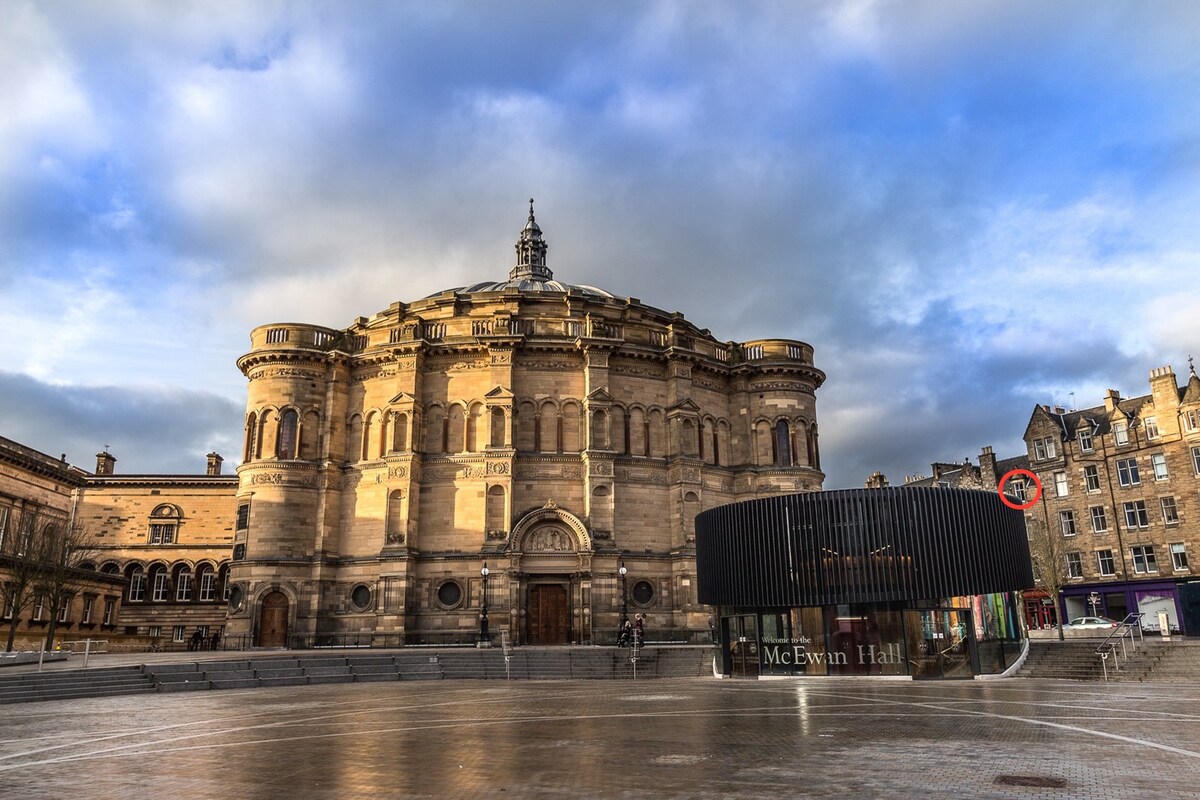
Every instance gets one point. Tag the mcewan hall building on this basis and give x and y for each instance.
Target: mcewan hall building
(551, 433)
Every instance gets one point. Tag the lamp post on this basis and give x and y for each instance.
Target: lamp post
(624, 596)
(485, 638)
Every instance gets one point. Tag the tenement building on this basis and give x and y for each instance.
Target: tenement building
(1120, 487)
(552, 433)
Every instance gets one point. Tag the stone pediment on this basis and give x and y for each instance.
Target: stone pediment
(402, 399)
(499, 393)
(600, 395)
(686, 405)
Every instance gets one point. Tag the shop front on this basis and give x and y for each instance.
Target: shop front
(871, 554)
(1118, 600)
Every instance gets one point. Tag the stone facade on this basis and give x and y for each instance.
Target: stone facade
(170, 538)
(37, 490)
(549, 430)
(1121, 484)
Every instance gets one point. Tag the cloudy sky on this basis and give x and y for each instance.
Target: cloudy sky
(966, 208)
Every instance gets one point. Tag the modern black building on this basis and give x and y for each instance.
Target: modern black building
(891, 581)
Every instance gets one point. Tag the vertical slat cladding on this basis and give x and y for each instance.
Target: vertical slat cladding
(860, 545)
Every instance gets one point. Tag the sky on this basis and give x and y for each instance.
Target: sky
(965, 208)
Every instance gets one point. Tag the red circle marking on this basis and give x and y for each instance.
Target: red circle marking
(1011, 504)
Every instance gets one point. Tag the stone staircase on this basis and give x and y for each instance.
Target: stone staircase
(74, 684)
(1165, 662)
(306, 668)
(1073, 660)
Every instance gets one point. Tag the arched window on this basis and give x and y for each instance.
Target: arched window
(354, 438)
(160, 584)
(638, 437)
(618, 439)
(370, 434)
(455, 429)
(496, 512)
(400, 432)
(525, 423)
(569, 442)
(310, 431)
(814, 449)
(183, 584)
(656, 434)
(251, 431)
(289, 428)
(206, 581)
(435, 430)
(137, 584)
(496, 437)
(783, 444)
(547, 428)
(164, 525)
(687, 438)
(395, 517)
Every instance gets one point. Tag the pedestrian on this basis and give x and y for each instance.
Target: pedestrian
(216, 639)
(626, 636)
(712, 628)
(194, 644)
(639, 630)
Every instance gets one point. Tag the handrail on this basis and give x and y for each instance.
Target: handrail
(1108, 647)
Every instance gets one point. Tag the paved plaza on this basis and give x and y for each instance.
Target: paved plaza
(666, 738)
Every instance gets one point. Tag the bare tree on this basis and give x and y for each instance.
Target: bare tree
(1048, 553)
(61, 550)
(20, 562)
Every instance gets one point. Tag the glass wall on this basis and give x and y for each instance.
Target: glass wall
(957, 638)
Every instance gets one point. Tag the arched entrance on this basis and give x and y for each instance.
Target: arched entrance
(273, 620)
(552, 557)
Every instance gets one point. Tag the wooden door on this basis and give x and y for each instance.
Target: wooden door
(548, 614)
(272, 621)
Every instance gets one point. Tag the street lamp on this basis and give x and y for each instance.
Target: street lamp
(485, 638)
(624, 595)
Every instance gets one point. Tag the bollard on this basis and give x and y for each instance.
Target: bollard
(41, 656)
(87, 651)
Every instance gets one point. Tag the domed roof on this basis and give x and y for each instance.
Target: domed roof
(530, 273)
(533, 285)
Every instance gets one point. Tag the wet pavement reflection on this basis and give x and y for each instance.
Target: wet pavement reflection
(665, 738)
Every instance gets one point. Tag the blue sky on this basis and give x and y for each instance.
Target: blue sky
(966, 208)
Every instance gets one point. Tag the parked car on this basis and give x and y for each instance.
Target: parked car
(1092, 622)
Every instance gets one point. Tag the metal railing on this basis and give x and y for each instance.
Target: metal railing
(604, 637)
(1117, 638)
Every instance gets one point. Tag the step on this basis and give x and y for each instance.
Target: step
(376, 677)
(344, 677)
(326, 670)
(184, 686)
(234, 683)
(283, 680)
(285, 672)
(178, 677)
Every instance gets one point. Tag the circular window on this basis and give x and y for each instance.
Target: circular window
(360, 596)
(449, 594)
(643, 593)
(235, 597)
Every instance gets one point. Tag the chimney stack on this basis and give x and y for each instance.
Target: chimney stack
(987, 468)
(214, 464)
(105, 463)
(1111, 398)
(877, 480)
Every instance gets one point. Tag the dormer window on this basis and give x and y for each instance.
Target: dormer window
(1044, 448)
(1151, 426)
(1085, 441)
(1189, 421)
(1121, 433)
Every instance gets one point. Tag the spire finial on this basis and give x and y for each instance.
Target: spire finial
(531, 208)
(1191, 365)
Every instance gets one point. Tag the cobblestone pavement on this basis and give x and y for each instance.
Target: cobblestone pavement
(694, 738)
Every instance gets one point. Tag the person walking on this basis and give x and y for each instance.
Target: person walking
(639, 630)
